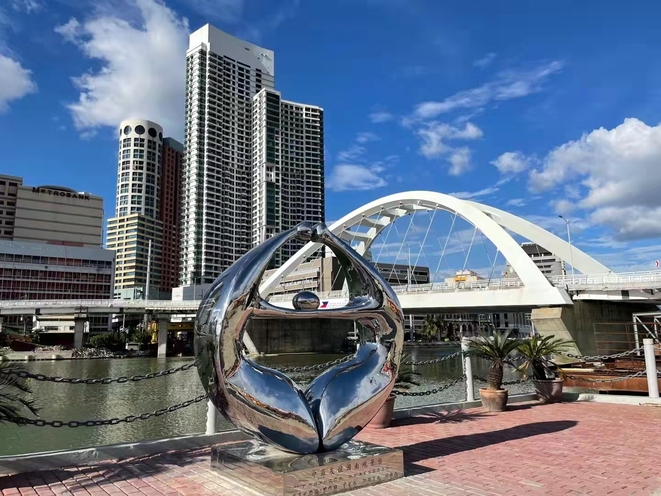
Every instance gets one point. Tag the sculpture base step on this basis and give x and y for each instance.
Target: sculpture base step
(266, 470)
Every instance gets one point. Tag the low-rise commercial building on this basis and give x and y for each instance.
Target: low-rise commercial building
(50, 249)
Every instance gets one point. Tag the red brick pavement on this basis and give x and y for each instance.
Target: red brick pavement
(569, 448)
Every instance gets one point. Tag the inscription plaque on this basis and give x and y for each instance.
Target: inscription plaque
(261, 467)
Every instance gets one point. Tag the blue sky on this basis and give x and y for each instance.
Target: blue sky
(537, 108)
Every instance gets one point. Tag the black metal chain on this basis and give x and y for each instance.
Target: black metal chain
(319, 366)
(435, 360)
(506, 383)
(326, 365)
(106, 380)
(599, 358)
(95, 423)
(642, 373)
(430, 391)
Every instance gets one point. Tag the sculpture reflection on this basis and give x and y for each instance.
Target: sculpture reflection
(268, 404)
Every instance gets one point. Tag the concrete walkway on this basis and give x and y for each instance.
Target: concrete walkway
(570, 448)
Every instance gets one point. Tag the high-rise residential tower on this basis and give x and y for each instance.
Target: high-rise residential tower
(224, 210)
(288, 168)
(148, 202)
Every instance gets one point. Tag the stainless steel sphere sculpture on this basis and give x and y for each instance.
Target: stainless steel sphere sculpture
(266, 403)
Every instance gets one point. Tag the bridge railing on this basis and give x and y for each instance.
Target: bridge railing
(622, 280)
(166, 304)
(487, 285)
(492, 284)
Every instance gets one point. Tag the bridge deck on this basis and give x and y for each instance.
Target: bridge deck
(568, 448)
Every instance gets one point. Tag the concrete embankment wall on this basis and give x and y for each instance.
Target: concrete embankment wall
(579, 322)
(300, 336)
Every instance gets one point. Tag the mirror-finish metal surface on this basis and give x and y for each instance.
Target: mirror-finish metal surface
(266, 403)
(305, 300)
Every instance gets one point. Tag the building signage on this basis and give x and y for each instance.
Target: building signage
(62, 193)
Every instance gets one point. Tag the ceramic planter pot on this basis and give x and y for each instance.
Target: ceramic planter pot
(494, 400)
(383, 417)
(548, 390)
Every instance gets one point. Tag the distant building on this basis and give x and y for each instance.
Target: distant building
(51, 250)
(464, 277)
(147, 211)
(253, 163)
(287, 168)
(546, 262)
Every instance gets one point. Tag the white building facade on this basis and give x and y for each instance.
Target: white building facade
(223, 73)
(139, 168)
(244, 167)
(288, 168)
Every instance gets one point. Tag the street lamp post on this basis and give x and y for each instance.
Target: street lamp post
(571, 250)
(408, 288)
(408, 271)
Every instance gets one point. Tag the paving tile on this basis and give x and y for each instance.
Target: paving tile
(563, 449)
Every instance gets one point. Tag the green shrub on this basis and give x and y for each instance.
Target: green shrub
(108, 341)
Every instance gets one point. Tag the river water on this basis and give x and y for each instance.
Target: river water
(85, 402)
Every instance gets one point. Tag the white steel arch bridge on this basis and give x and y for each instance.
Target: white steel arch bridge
(364, 225)
(532, 288)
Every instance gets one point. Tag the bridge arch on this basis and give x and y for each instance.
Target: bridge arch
(378, 214)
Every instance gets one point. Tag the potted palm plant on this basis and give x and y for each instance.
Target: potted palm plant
(13, 389)
(546, 377)
(497, 349)
(405, 379)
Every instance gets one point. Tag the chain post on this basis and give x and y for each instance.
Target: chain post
(650, 368)
(468, 371)
(211, 418)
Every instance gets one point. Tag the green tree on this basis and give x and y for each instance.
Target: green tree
(13, 393)
(497, 349)
(430, 328)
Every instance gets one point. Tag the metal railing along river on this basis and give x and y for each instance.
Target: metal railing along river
(461, 386)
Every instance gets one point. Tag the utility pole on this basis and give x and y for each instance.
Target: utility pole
(145, 293)
(571, 250)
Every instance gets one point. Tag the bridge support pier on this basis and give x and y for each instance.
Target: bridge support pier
(79, 331)
(588, 324)
(163, 324)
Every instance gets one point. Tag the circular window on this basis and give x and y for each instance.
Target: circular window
(152, 132)
(127, 130)
(160, 136)
(140, 129)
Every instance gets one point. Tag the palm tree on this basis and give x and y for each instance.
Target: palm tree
(497, 350)
(13, 389)
(536, 350)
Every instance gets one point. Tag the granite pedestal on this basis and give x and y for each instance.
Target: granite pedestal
(266, 470)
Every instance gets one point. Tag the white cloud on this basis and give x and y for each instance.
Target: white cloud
(619, 170)
(466, 195)
(435, 134)
(28, 6)
(346, 177)
(15, 82)
(352, 153)
(511, 163)
(434, 137)
(516, 202)
(367, 137)
(563, 206)
(460, 161)
(623, 258)
(380, 117)
(509, 85)
(485, 61)
(141, 68)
